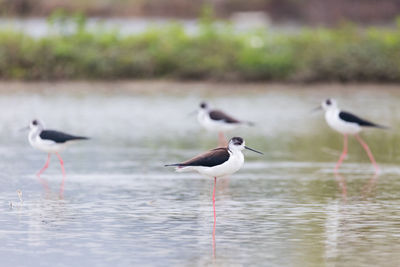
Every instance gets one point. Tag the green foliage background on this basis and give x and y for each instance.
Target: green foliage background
(216, 51)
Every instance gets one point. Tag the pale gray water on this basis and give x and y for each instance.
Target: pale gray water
(121, 207)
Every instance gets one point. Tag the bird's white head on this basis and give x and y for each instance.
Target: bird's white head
(36, 126)
(329, 104)
(238, 144)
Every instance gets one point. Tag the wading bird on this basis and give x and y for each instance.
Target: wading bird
(218, 121)
(347, 124)
(215, 163)
(50, 141)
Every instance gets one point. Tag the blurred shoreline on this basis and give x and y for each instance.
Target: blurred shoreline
(178, 87)
(310, 12)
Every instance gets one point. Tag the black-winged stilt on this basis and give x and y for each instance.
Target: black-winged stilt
(218, 121)
(218, 162)
(347, 124)
(50, 141)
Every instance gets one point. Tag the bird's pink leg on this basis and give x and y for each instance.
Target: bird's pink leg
(63, 172)
(369, 153)
(215, 185)
(222, 140)
(343, 155)
(215, 218)
(46, 165)
(61, 163)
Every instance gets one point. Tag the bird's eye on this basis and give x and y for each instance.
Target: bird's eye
(328, 102)
(203, 105)
(35, 122)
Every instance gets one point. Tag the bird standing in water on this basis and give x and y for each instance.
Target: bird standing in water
(51, 142)
(347, 124)
(218, 121)
(215, 163)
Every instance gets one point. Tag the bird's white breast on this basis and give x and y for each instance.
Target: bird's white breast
(232, 165)
(47, 146)
(336, 123)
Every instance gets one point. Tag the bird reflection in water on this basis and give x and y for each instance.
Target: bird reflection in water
(367, 190)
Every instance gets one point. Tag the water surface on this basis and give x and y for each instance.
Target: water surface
(122, 207)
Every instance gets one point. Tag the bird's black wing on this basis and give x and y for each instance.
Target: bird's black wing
(348, 117)
(211, 158)
(218, 115)
(59, 137)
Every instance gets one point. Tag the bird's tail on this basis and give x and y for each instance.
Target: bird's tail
(173, 165)
(81, 138)
(179, 167)
(379, 126)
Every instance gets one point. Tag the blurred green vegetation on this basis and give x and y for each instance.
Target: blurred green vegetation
(216, 51)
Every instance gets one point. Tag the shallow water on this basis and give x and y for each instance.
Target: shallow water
(122, 207)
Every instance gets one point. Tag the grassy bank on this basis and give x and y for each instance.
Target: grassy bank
(216, 52)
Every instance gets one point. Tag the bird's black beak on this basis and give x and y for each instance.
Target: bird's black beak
(316, 109)
(248, 148)
(24, 129)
